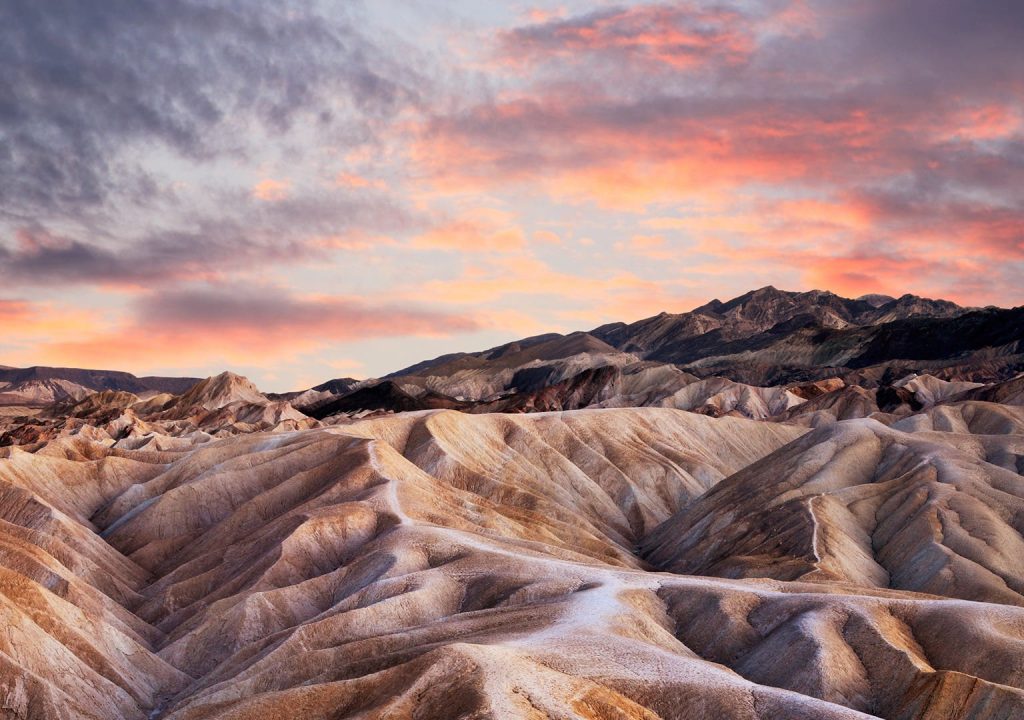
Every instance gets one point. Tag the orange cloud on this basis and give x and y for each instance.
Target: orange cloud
(853, 269)
(541, 15)
(788, 167)
(350, 180)
(354, 241)
(577, 150)
(32, 321)
(593, 299)
(28, 325)
(257, 327)
(479, 230)
(796, 18)
(270, 190)
(547, 237)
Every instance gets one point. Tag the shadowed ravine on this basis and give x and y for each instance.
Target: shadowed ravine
(449, 565)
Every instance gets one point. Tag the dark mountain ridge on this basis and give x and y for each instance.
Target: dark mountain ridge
(763, 339)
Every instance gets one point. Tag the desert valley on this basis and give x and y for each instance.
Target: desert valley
(787, 505)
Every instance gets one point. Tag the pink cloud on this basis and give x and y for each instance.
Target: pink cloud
(12, 311)
(678, 36)
(780, 125)
(351, 180)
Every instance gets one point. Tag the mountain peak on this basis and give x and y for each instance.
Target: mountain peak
(217, 391)
(766, 294)
(876, 299)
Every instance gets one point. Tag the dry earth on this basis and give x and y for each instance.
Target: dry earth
(616, 563)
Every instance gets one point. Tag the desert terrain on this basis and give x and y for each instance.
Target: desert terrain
(844, 544)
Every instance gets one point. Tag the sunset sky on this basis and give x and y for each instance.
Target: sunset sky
(306, 190)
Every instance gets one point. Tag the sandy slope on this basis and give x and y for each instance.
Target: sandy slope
(863, 503)
(442, 565)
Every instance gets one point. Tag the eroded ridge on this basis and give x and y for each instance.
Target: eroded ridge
(447, 565)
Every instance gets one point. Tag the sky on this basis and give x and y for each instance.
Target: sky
(305, 190)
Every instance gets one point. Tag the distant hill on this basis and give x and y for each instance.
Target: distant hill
(763, 339)
(26, 383)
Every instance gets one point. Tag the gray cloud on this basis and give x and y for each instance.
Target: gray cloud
(79, 81)
(267, 309)
(962, 44)
(42, 258)
(118, 118)
(249, 235)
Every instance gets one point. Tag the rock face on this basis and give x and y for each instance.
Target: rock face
(439, 564)
(770, 337)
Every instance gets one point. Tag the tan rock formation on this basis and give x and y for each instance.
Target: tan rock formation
(444, 565)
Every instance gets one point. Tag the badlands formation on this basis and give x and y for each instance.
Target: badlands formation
(793, 518)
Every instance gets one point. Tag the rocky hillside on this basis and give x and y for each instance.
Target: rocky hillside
(755, 355)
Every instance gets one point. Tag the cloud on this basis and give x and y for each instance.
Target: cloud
(894, 122)
(233, 308)
(954, 44)
(607, 162)
(43, 258)
(271, 190)
(678, 36)
(148, 142)
(652, 247)
(631, 152)
(287, 231)
(12, 311)
(84, 83)
(474, 231)
(547, 237)
(27, 324)
(803, 109)
(521, 277)
(352, 180)
(253, 326)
